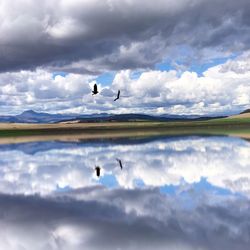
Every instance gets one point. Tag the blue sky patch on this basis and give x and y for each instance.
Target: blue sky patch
(139, 183)
(59, 73)
(106, 79)
(164, 66)
(202, 186)
(109, 181)
(201, 68)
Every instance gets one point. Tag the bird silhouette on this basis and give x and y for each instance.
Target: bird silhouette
(120, 162)
(98, 171)
(95, 91)
(118, 95)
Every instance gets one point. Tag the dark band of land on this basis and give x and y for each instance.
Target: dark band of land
(14, 132)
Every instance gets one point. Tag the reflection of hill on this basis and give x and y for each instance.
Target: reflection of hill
(35, 147)
(32, 148)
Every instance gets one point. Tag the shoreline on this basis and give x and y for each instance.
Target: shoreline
(21, 133)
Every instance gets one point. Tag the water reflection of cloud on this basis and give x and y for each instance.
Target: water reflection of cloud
(178, 193)
(224, 162)
(101, 218)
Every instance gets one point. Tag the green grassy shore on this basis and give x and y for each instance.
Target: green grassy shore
(216, 126)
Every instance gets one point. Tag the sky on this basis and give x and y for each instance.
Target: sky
(166, 56)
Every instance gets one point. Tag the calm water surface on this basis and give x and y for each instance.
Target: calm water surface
(172, 193)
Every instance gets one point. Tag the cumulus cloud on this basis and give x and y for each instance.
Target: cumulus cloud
(92, 36)
(222, 89)
(41, 90)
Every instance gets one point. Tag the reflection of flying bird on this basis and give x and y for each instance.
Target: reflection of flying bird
(120, 163)
(95, 91)
(118, 95)
(98, 171)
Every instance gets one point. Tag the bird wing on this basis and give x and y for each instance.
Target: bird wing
(95, 88)
(120, 162)
(118, 95)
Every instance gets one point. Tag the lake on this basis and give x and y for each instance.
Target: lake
(180, 192)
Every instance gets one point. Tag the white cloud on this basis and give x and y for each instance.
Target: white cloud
(222, 89)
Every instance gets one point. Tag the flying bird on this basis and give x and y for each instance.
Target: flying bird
(98, 171)
(118, 95)
(120, 162)
(95, 91)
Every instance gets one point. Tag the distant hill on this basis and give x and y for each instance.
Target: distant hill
(138, 117)
(31, 116)
(245, 111)
(243, 114)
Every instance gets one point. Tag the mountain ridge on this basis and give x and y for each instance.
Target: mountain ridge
(246, 111)
(31, 116)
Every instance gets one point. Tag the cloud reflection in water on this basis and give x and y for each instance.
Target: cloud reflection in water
(177, 193)
(224, 162)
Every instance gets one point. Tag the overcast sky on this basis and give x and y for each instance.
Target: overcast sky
(166, 56)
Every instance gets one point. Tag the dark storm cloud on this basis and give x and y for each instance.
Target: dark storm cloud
(92, 36)
(98, 218)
